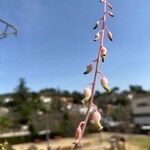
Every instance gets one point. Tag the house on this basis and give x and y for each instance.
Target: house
(141, 113)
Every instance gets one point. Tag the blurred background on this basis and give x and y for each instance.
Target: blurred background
(42, 81)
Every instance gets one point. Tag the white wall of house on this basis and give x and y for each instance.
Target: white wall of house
(141, 110)
(141, 106)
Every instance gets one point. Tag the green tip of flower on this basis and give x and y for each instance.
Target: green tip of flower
(107, 89)
(99, 126)
(103, 59)
(83, 101)
(86, 72)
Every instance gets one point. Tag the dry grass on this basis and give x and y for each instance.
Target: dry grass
(92, 142)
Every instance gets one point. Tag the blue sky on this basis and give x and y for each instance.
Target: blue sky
(55, 42)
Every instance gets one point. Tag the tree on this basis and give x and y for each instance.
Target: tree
(51, 92)
(114, 89)
(137, 89)
(65, 93)
(21, 92)
(21, 98)
(4, 123)
(77, 97)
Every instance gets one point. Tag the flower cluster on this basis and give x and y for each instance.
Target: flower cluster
(93, 113)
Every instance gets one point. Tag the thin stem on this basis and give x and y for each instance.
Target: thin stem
(96, 72)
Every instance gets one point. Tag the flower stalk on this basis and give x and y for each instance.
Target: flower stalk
(96, 116)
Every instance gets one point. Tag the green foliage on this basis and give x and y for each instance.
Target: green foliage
(120, 113)
(66, 125)
(137, 89)
(4, 122)
(21, 92)
(142, 141)
(21, 98)
(26, 106)
(66, 93)
(51, 92)
(77, 97)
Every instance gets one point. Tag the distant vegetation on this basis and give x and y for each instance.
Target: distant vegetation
(27, 108)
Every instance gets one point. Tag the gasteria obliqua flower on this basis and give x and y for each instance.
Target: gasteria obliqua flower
(96, 118)
(96, 25)
(89, 68)
(109, 5)
(110, 14)
(97, 37)
(109, 35)
(79, 130)
(87, 93)
(103, 53)
(92, 110)
(104, 83)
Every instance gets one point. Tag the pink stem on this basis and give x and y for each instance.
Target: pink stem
(96, 72)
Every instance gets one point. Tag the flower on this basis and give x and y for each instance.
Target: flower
(103, 53)
(109, 35)
(96, 25)
(78, 133)
(97, 37)
(96, 118)
(89, 68)
(104, 83)
(110, 14)
(109, 5)
(87, 93)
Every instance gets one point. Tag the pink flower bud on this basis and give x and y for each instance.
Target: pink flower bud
(87, 93)
(97, 37)
(103, 51)
(89, 68)
(109, 35)
(96, 116)
(109, 5)
(104, 83)
(110, 14)
(96, 25)
(78, 133)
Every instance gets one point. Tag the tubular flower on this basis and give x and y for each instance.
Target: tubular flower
(104, 83)
(110, 14)
(89, 68)
(109, 5)
(79, 130)
(103, 53)
(96, 25)
(96, 118)
(92, 112)
(109, 35)
(87, 93)
(97, 37)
